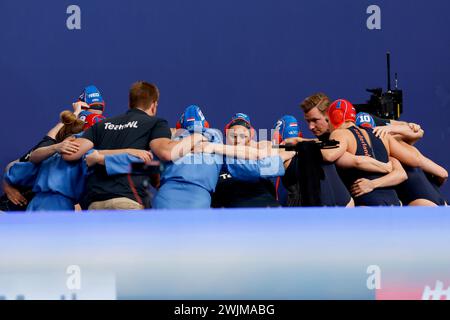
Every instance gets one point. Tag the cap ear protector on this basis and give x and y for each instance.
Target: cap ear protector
(192, 118)
(285, 128)
(179, 122)
(178, 125)
(341, 111)
(241, 119)
(365, 120)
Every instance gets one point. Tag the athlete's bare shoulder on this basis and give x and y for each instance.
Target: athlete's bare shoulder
(387, 142)
(345, 135)
(339, 134)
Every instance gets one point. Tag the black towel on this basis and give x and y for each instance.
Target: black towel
(310, 173)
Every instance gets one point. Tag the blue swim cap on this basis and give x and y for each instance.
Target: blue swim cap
(192, 118)
(365, 120)
(239, 119)
(285, 128)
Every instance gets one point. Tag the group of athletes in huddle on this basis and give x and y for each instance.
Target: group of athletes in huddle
(86, 160)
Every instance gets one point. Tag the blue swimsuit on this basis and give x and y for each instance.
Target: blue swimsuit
(378, 197)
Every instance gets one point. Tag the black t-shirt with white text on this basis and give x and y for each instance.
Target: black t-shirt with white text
(135, 129)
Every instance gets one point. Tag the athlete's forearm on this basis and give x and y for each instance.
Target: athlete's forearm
(54, 131)
(9, 165)
(270, 151)
(286, 156)
(41, 154)
(405, 153)
(112, 152)
(424, 163)
(83, 146)
(364, 163)
(332, 155)
(398, 123)
(397, 176)
(241, 152)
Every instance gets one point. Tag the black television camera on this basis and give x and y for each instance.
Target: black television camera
(155, 167)
(386, 105)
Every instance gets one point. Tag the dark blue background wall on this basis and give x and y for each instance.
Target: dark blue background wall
(260, 57)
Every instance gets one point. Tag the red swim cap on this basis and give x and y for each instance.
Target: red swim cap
(341, 111)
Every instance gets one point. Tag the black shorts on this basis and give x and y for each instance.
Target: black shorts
(378, 197)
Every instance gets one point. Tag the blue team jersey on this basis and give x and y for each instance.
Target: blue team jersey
(200, 169)
(189, 181)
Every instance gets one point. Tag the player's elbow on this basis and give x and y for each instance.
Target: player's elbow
(402, 176)
(421, 133)
(34, 160)
(71, 157)
(330, 156)
(165, 156)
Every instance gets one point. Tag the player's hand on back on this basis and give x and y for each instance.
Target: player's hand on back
(78, 106)
(14, 195)
(362, 187)
(68, 146)
(93, 158)
(389, 167)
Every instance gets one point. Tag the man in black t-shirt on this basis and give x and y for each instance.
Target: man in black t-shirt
(135, 129)
(138, 128)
